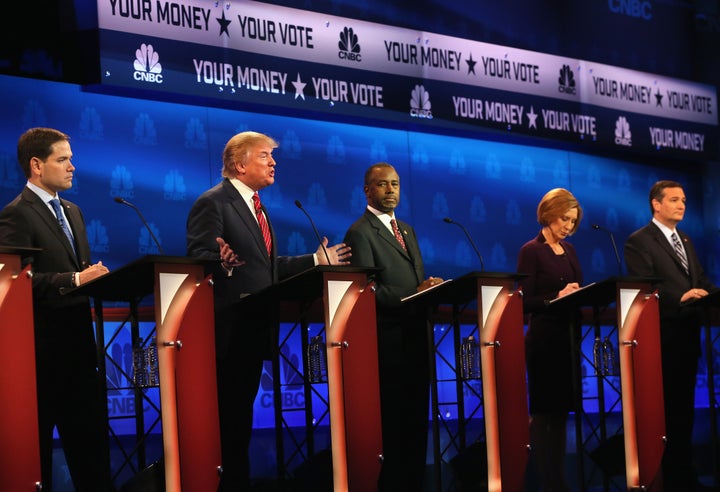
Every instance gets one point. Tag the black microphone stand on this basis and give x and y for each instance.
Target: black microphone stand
(317, 234)
(612, 240)
(467, 234)
(147, 226)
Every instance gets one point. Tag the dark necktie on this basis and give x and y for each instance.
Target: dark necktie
(397, 233)
(262, 222)
(680, 251)
(55, 203)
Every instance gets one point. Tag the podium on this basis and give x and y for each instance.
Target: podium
(638, 323)
(184, 317)
(348, 301)
(708, 304)
(19, 434)
(502, 355)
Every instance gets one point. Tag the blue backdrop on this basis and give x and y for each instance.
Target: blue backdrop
(160, 156)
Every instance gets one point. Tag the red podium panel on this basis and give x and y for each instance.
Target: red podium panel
(20, 454)
(640, 371)
(186, 361)
(502, 345)
(642, 389)
(352, 366)
(353, 376)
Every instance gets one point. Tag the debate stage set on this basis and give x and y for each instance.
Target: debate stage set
(481, 109)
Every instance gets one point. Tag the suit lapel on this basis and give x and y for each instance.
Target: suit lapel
(689, 252)
(246, 216)
(665, 245)
(75, 222)
(410, 243)
(384, 233)
(49, 219)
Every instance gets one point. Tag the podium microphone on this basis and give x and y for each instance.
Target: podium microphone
(317, 234)
(147, 226)
(612, 239)
(467, 234)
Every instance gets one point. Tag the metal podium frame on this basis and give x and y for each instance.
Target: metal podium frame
(500, 330)
(640, 373)
(348, 306)
(184, 317)
(19, 433)
(711, 305)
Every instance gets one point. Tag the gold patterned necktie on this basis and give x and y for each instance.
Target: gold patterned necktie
(262, 222)
(397, 233)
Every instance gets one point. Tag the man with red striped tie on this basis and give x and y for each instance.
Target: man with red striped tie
(228, 223)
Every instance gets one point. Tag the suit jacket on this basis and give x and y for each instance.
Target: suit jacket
(543, 283)
(222, 212)
(28, 222)
(65, 348)
(373, 245)
(648, 253)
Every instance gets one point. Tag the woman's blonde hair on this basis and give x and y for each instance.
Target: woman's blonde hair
(555, 204)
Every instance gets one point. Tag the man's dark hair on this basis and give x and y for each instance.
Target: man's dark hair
(37, 142)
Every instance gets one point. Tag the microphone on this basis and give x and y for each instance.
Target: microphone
(317, 234)
(147, 226)
(612, 239)
(467, 234)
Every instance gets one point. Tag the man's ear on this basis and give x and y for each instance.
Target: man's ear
(656, 205)
(35, 166)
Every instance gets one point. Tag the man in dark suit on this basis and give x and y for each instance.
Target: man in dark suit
(227, 223)
(65, 351)
(652, 252)
(403, 332)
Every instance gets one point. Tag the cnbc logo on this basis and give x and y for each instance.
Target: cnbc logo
(420, 106)
(566, 81)
(349, 46)
(623, 135)
(147, 65)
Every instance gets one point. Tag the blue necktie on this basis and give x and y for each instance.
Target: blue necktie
(55, 203)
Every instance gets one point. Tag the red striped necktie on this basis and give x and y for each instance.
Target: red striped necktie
(397, 233)
(262, 222)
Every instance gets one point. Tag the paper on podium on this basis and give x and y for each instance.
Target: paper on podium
(579, 292)
(412, 296)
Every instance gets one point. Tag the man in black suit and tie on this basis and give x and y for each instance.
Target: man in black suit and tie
(379, 240)
(228, 223)
(659, 249)
(65, 353)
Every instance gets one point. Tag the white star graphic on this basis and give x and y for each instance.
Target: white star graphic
(299, 87)
(532, 117)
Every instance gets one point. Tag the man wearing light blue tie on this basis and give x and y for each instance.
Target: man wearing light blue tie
(69, 396)
(661, 250)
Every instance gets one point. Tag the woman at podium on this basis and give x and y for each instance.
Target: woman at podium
(552, 270)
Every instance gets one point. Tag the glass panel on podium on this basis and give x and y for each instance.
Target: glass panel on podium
(342, 301)
(631, 374)
(499, 329)
(183, 349)
(711, 338)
